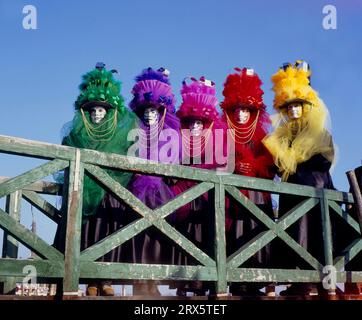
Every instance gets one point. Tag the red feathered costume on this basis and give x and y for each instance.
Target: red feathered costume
(243, 90)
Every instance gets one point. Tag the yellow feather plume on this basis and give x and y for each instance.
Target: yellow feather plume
(291, 84)
(294, 142)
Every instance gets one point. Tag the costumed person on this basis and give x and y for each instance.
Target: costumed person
(153, 103)
(245, 113)
(199, 120)
(101, 122)
(303, 152)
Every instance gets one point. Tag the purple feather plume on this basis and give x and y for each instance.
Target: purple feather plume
(150, 74)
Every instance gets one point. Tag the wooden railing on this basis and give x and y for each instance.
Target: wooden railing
(74, 265)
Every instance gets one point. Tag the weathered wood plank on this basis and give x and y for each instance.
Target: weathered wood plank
(287, 275)
(103, 270)
(172, 233)
(42, 187)
(349, 276)
(262, 239)
(130, 231)
(284, 187)
(13, 208)
(4, 278)
(140, 165)
(51, 151)
(150, 215)
(109, 243)
(106, 180)
(74, 224)
(42, 205)
(345, 216)
(357, 195)
(186, 172)
(261, 216)
(273, 275)
(28, 239)
(183, 242)
(114, 240)
(19, 182)
(220, 240)
(183, 198)
(327, 238)
(349, 253)
(118, 190)
(35, 149)
(10, 245)
(250, 248)
(48, 151)
(44, 268)
(355, 247)
(294, 214)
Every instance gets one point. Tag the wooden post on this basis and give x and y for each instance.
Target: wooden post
(327, 240)
(10, 245)
(220, 241)
(74, 224)
(357, 195)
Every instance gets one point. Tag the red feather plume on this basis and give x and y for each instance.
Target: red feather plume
(243, 89)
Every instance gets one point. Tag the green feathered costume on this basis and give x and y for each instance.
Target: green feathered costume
(99, 88)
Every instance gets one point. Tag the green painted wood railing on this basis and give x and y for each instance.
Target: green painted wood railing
(73, 266)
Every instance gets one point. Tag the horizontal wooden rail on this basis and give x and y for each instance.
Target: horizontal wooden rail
(41, 187)
(118, 162)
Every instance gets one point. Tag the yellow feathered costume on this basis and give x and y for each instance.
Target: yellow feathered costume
(296, 141)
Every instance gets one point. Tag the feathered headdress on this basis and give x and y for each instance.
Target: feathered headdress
(292, 84)
(99, 87)
(198, 100)
(152, 88)
(243, 89)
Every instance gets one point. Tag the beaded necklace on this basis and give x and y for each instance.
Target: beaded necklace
(97, 132)
(242, 135)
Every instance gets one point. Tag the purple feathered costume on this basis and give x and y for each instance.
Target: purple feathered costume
(152, 89)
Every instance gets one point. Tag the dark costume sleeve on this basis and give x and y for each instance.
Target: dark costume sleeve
(316, 163)
(313, 172)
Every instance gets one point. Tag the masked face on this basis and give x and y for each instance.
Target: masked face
(97, 114)
(196, 127)
(295, 111)
(150, 116)
(242, 115)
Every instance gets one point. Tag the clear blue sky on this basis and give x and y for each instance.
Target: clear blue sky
(41, 69)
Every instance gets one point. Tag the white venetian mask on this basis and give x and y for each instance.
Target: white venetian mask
(295, 111)
(97, 114)
(242, 115)
(150, 116)
(196, 127)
